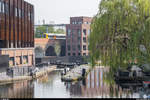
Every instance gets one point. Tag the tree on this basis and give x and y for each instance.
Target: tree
(120, 33)
(43, 29)
(61, 31)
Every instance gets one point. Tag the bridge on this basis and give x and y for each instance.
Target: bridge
(50, 47)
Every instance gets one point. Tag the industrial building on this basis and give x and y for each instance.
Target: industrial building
(77, 36)
(16, 33)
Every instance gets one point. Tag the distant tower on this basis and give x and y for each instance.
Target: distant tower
(43, 22)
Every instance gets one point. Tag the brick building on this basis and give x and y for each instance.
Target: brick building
(17, 32)
(77, 36)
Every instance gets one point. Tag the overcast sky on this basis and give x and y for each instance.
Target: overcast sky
(60, 11)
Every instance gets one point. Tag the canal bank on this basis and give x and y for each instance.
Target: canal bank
(4, 78)
(76, 74)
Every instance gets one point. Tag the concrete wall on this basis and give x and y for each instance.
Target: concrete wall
(4, 62)
(63, 59)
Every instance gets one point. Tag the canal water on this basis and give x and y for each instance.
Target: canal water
(96, 85)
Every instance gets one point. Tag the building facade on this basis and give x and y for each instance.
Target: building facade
(17, 32)
(77, 36)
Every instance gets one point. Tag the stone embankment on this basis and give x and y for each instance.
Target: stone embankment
(76, 74)
(4, 78)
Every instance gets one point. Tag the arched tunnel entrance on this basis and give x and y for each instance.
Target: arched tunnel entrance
(50, 51)
(39, 53)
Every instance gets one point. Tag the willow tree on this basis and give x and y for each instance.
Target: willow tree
(120, 33)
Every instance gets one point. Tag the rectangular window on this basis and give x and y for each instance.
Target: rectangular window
(69, 48)
(3, 7)
(20, 13)
(68, 41)
(79, 22)
(0, 6)
(25, 59)
(84, 39)
(84, 47)
(74, 48)
(79, 32)
(79, 54)
(74, 54)
(89, 31)
(7, 9)
(16, 12)
(84, 31)
(84, 54)
(79, 47)
(79, 40)
(69, 32)
(11, 61)
(68, 54)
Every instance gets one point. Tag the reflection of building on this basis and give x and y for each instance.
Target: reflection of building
(77, 36)
(95, 86)
(17, 32)
(23, 89)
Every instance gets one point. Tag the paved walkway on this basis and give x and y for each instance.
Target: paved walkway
(7, 79)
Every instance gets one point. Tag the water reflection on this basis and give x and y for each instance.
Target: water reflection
(97, 85)
(18, 90)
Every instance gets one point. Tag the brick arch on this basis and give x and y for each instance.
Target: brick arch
(46, 43)
(39, 52)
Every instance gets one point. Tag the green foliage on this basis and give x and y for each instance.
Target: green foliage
(61, 31)
(57, 48)
(118, 31)
(43, 29)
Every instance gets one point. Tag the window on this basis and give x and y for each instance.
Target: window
(79, 32)
(79, 40)
(74, 48)
(84, 47)
(84, 31)
(69, 32)
(79, 54)
(75, 22)
(69, 48)
(86, 22)
(79, 47)
(19, 12)
(68, 54)
(3, 7)
(22, 15)
(6, 8)
(84, 54)
(79, 22)
(29, 14)
(0, 6)
(68, 41)
(11, 61)
(25, 59)
(74, 54)
(16, 12)
(89, 31)
(84, 39)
